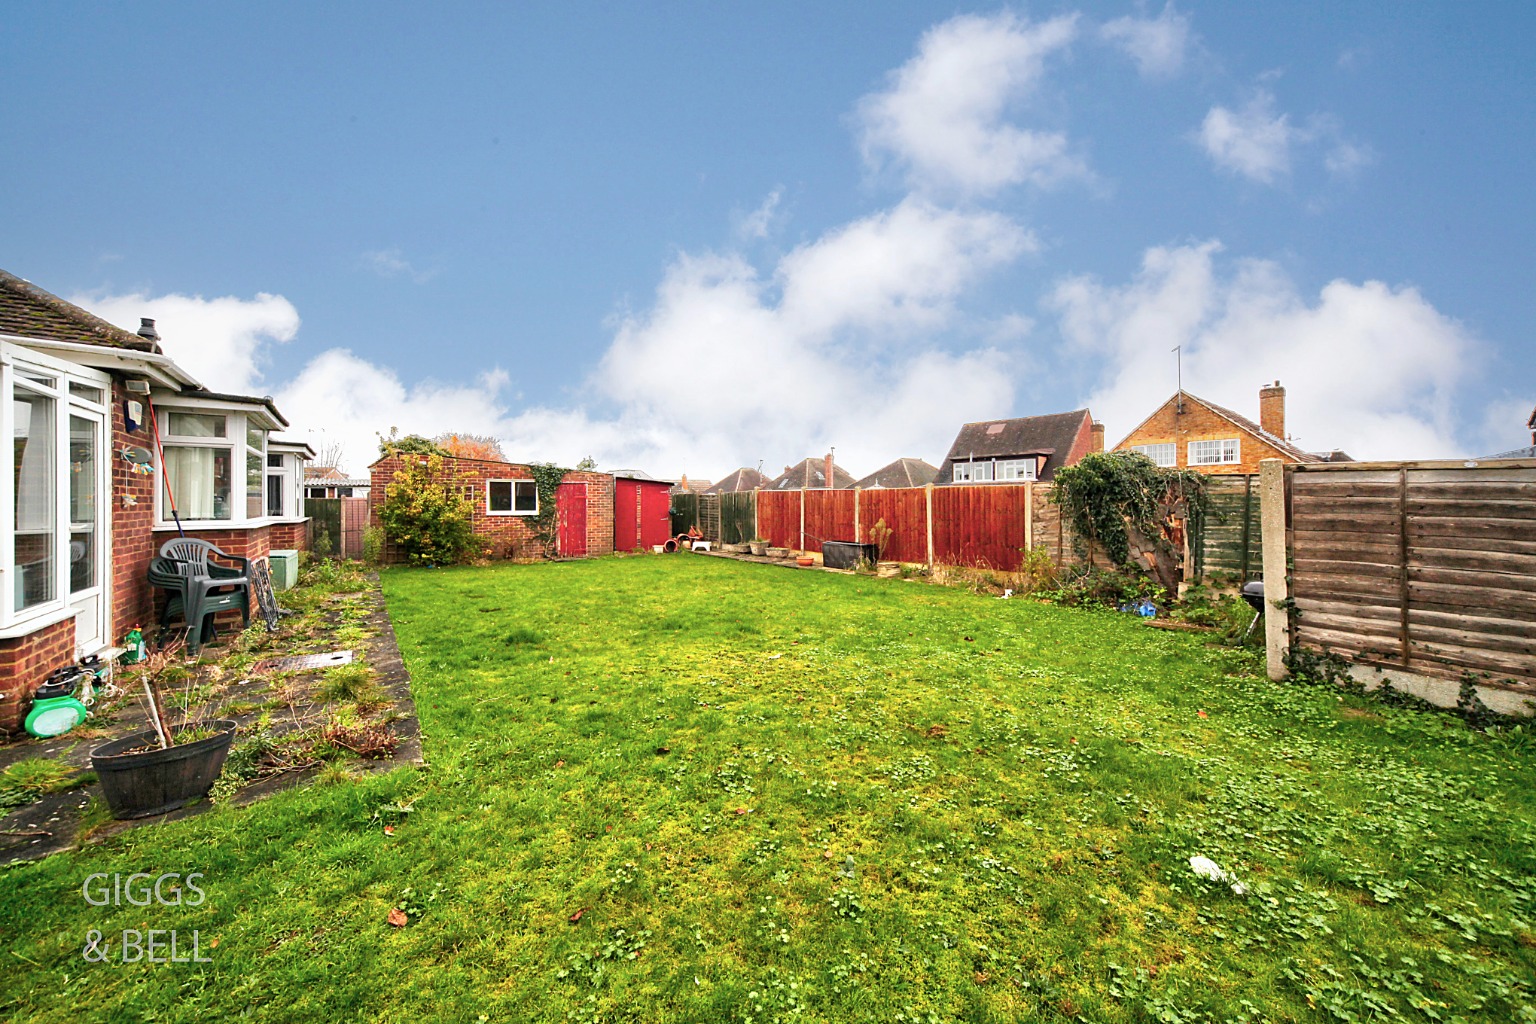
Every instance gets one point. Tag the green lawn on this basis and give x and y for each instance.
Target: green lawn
(798, 796)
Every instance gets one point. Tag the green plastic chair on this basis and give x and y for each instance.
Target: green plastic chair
(196, 587)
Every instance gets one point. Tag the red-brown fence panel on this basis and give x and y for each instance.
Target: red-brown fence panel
(828, 516)
(778, 517)
(905, 511)
(979, 526)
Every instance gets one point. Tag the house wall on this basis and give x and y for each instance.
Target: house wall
(506, 536)
(24, 662)
(1197, 423)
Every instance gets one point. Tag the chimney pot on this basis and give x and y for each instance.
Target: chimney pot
(1097, 430)
(147, 329)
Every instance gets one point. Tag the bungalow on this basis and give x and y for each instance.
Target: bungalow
(1018, 450)
(1189, 432)
(812, 474)
(114, 450)
(901, 473)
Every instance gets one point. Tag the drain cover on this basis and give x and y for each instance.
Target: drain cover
(305, 661)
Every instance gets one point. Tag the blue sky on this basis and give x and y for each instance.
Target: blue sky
(701, 236)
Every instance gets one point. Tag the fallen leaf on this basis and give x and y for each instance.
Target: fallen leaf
(1202, 714)
(1074, 739)
(389, 830)
(743, 810)
(397, 918)
(560, 764)
(215, 943)
(576, 917)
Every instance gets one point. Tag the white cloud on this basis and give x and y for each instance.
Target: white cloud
(1157, 45)
(942, 118)
(759, 222)
(1371, 369)
(1347, 158)
(1254, 142)
(391, 262)
(219, 341)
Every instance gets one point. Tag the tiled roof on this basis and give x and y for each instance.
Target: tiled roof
(1051, 435)
(1291, 451)
(29, 312)
(901, 473)
(811, 474)
(1518, 453)
(744, 479)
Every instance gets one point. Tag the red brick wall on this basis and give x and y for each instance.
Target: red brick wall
(505, 536)
(25, 662)
(132, 503)
(1197, 423)
(289, 536)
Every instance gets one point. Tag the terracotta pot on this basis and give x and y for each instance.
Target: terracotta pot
(805, 560)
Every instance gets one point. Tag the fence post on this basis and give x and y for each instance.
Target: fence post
(756, 530)
(928, 502)
(857, 539)
(1276, 587)
(802, 520)
(1029, 518)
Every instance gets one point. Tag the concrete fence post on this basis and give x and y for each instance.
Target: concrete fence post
(1277, 589)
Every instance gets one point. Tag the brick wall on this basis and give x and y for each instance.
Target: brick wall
(25, 662)
(505, 536)
(1197, 423)
(132, 504)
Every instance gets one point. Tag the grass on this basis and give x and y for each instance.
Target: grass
(692, 789)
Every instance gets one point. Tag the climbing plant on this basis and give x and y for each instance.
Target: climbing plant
(545, 525)
(1124, 504)
(432, 522)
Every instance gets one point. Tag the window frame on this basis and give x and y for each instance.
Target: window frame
(239, 421)
(512, 496)
(1223, 453)
(1172, 448)
(16, 362)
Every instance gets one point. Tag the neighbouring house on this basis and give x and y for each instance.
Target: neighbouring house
(331, 482)
(1191, 433)
(743, 479)
(506, 505)
(687, 486)
(1019, 450)
(901, 473)
(642, 510)
(1521, 453)
(114, 450)
(812, 474)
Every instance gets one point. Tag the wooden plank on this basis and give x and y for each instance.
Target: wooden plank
(1317, 584)
(1382, 631)
(1481, 625)
(1499, 664)
(1346, 547)
(1344, 505)
(1307, 482)
(1349, 642)
(1487, 561)
(1360, 608)
(1477, 641)
(1337, 567)
(1480, 508)
(1488, 531)
(1457, 542)
(1342, 523)
(1474, 600)
(1426, 465)
(1476, 578)
(1382, 486)
(1468, 490)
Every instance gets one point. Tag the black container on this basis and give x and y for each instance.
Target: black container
(845, 554)
(156, 781)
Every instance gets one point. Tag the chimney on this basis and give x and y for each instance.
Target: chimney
(147, 329)
(1098, 437)
(829, 470)
(1272, 409)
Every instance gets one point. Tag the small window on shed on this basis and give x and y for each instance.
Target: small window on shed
(511, 498)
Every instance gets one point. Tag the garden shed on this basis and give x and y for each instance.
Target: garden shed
(641, 510)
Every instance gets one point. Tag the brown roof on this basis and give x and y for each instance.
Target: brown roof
(811, 474)
(901, 473)
(1051, 435)
(29, 312)
(744, 479)
(687, 486)
(1291, 451)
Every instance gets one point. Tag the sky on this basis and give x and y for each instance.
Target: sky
(689, 237)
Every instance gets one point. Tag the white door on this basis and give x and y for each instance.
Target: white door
(90, 583)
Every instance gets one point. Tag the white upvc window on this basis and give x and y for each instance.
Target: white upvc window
(973, 472)
(1164, 455)
(1015, 469)
(214, 468)
(511, 498)
(1222, 452)
(53, 476)
(285, 485)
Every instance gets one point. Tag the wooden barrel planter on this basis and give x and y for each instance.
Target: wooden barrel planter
(154, 781)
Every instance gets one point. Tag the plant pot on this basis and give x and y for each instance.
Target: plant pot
(805, 560)
(155, 781)
(778, 552)
(758, 547)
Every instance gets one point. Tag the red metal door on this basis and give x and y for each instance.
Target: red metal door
(626, 515)
(655, 515)
(571, 512)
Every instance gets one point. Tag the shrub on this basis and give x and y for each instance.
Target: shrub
(431, 522)
(373, 545)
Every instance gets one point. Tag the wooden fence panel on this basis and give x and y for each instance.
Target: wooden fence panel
(1430, 568)
(979, 526)
(905, 511)
(778, 517)
(1230, 543)
(736, 522)
(828, 516)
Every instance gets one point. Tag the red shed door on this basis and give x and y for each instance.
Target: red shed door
(626, 512)
(571, 511)
(655, 515)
